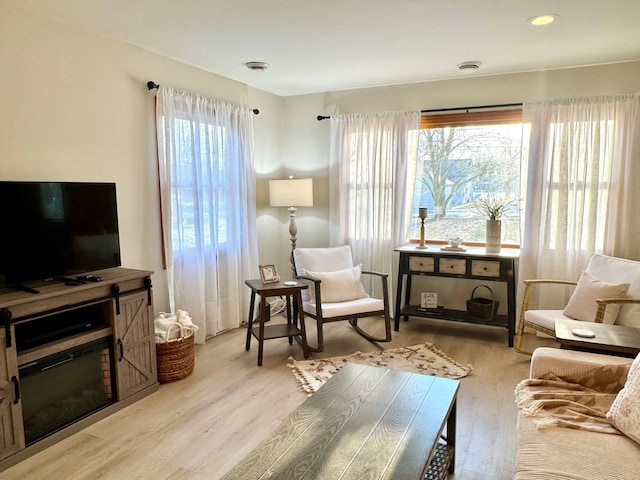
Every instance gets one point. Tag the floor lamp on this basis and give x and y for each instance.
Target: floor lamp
(291, 193)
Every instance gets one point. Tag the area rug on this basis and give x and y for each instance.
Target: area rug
(425, 359)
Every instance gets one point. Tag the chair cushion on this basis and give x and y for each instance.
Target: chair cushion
(339, 286)
(322, 259)
(582, 304)
(620, 270)
(544, 318)
(352, 307)
(624, 413)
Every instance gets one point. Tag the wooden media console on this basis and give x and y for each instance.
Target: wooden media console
(88, 347)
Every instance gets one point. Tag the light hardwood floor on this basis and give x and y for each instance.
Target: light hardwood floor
(199, 427)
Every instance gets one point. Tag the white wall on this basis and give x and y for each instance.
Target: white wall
(75, 107)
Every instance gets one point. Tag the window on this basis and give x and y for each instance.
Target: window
(198, 190)
(462, 157)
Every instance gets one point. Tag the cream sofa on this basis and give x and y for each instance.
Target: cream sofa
(557, 453)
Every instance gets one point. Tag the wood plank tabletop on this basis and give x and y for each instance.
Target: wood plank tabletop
(614, 339)
(364, 423)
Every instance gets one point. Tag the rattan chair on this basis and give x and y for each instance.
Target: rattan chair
(609, 269)
(324, 263)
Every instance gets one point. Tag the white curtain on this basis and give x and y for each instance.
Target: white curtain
(372, 170)
(207, 188)
(582, 184)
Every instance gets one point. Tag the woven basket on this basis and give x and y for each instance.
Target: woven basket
(482, 308)
(176, 358)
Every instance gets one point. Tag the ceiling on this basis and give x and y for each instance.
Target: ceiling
(329, 45)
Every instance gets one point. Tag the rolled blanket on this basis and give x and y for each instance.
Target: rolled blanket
(169, 326)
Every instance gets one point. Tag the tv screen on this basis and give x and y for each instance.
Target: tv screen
(56, 229)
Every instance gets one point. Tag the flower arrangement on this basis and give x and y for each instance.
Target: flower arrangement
(493, 206)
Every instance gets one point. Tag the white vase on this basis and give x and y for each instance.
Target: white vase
(494, 236)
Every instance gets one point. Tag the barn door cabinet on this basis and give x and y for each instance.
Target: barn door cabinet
(135, 347)
(109, 323)
(12, 435)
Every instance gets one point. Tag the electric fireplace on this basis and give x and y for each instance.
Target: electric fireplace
(62, 388)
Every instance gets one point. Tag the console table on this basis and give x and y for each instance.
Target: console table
(472, 263)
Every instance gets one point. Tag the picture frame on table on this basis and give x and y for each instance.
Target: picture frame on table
(268, 273)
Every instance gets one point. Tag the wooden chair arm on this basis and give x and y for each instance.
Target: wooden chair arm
(529, 284)
(604, 302)
(316, 286)
(306, 277)
(379, 274)
(537, 281)
(316, 281)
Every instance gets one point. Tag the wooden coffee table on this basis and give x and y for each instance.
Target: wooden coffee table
(610, 339)
(364, 423)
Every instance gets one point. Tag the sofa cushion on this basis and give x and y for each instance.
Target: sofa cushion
(625, 410)
(583, 305)
(620, 270)
(558, 453)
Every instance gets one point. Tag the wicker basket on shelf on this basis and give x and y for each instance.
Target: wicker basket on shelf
(482, 308)
(176, 358)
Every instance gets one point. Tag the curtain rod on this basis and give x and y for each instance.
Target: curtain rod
(151, 85)
(440, 110)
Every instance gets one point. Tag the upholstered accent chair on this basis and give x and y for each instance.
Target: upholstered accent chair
(608, 291)
(336, 291)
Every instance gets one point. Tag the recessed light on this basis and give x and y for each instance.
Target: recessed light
(545, 19)
(257, 66)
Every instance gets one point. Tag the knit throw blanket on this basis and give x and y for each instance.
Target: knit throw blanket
(571, 403)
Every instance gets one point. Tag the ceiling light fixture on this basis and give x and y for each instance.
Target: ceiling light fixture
(470, 66)
(257, 66)
(545, 19)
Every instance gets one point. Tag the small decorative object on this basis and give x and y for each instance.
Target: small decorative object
(493, 207)
(269, 274)
(454, 245)
(583, 332)
(422, 213)
(428, 300)
(484, 309)
(494, 236)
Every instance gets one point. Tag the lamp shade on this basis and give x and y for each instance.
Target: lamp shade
(291, 193)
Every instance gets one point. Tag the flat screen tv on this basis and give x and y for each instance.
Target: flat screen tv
(56, 229)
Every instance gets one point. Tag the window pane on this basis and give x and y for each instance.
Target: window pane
(456, 166)
(199, 190)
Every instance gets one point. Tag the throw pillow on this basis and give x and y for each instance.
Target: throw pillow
(339, 286)
(624, 413)
(582, 304)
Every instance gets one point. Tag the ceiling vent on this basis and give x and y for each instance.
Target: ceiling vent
(469, 67)
(257, 66)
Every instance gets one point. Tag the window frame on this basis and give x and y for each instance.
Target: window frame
(468, 118)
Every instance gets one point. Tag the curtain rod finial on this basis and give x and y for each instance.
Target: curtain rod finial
(151, 85)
